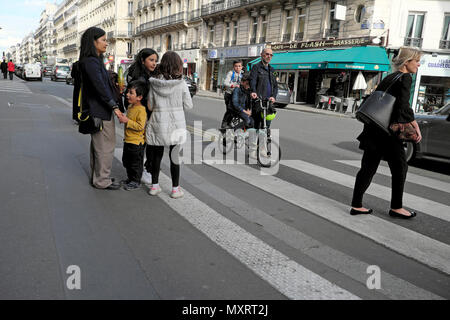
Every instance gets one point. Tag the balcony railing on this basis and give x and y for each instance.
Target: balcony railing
(119, 34)
(219, 6)
(299, 36)
(252, 40)
(70, 47)
(413, 42)
(166, 21)
(194, 45)
(286, 37)
(444, 44)
(262, 39)
(332, 33)
(195, 14)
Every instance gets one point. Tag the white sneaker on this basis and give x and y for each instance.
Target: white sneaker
(177, 194)
(154, 191)
(146, 177)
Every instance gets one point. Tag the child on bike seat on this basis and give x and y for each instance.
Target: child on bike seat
(240, 100)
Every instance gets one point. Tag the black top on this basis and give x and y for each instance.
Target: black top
(97, 89)
(263, 81)
(374, 137)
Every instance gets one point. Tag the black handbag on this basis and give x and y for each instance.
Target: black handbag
(377, 108)
(88, 124)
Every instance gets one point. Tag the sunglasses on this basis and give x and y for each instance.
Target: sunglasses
(269, 54)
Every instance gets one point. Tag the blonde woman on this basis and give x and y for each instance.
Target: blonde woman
(379, 145)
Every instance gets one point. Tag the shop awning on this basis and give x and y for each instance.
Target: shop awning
(356, 58)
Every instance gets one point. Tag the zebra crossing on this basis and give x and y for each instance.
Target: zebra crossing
(287, 274)
(15, 86)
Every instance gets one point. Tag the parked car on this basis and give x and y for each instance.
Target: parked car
(435, 129)
(47, 71)
(69, 79)
(283, 97)
(32, 71)
(60, 71)
(18, 70)
(192, 86)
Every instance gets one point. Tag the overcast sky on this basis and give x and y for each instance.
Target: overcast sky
(18, 18)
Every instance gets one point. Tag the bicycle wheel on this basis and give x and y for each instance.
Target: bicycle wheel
(268, 153)
(225, 142)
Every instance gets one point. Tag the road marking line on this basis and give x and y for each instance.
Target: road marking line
(284, 274)
(424, 205)
(402, 240)
(411, 177)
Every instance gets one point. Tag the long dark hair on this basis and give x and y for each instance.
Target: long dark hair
(171, 66)
(87, 47)
(137, 69)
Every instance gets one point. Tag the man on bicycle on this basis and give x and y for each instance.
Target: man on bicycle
(240, 101)
(264, 86)
(230, 83)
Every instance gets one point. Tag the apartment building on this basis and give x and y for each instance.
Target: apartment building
(174, 25)
(44, 37)
(27, 49)
(13, 53)
(66, 26)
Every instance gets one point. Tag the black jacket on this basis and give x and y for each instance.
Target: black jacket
(4, 67)
(97, 89)
(260, 79)
(372, 136)
(76, 76)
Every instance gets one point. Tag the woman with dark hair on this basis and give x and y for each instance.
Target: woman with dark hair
(97, 94)
(167, 99)
(144, 67)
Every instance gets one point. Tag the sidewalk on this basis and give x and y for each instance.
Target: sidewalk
(296, 107)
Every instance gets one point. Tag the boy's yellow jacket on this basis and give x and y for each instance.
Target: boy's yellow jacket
(135, 127)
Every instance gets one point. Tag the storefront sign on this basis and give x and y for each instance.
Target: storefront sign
(212, 54)
(189, 55)
(438, 66)
(350, 42)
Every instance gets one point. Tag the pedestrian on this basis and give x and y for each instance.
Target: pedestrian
(11, 69)
(231, 82)
(264, 86)
(4, 68)
(240, 101)
(144, 67)
(134, 137)
(167, 99)
(379, 145)
(98, 98)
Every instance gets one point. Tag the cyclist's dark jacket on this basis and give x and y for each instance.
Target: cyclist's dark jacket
(240, 99)
(263, 81)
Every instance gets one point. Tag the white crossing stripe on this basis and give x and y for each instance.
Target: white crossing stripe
(411, 177)
(284, 274)
(13, 86)
(426, 206)
(402, 240)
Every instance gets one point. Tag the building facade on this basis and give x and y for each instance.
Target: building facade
(44, 37)
(66, 26)
(27, 49)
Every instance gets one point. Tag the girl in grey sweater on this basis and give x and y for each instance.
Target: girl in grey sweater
(167, 99)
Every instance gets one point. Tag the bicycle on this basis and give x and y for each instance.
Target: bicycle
(268, 151)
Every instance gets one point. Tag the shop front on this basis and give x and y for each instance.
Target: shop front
(432, 90)
(325, 67)
(220, 61)
(191, 61)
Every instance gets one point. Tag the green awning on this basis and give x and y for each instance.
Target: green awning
(356, 58)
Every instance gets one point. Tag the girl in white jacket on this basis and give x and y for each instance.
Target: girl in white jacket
(167, 99)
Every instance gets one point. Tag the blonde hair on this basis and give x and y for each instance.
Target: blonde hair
(406, 54)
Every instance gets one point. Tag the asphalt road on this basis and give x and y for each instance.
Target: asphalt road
(237, 234)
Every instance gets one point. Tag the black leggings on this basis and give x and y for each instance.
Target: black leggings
(157, 153)
(395, 156)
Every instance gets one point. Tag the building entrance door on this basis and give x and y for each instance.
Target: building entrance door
(302, 86)
(208, 75)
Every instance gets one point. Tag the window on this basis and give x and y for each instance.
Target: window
(445, 38)
(359, 13)
(227, 32)
(130, 8)
(130, 29)
(211, 34)
(263, 29)
(160, 11)
(254, 30)
(414, 29)
(169, 9)
(288, 27)
(333, 30)
(300, 24)
(235, 31)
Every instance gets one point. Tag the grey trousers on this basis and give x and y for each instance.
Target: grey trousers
(102, 148)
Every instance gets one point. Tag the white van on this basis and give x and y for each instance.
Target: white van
(32, 71)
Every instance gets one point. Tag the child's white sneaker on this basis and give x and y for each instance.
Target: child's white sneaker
(177, 193)
(146, 178)
(154, 191)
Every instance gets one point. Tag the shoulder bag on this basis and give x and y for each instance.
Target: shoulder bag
(377, 108)
(87, 124)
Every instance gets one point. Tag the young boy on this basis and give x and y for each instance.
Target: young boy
(134, 138)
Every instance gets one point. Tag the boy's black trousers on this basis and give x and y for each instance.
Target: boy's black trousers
(133, 160)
